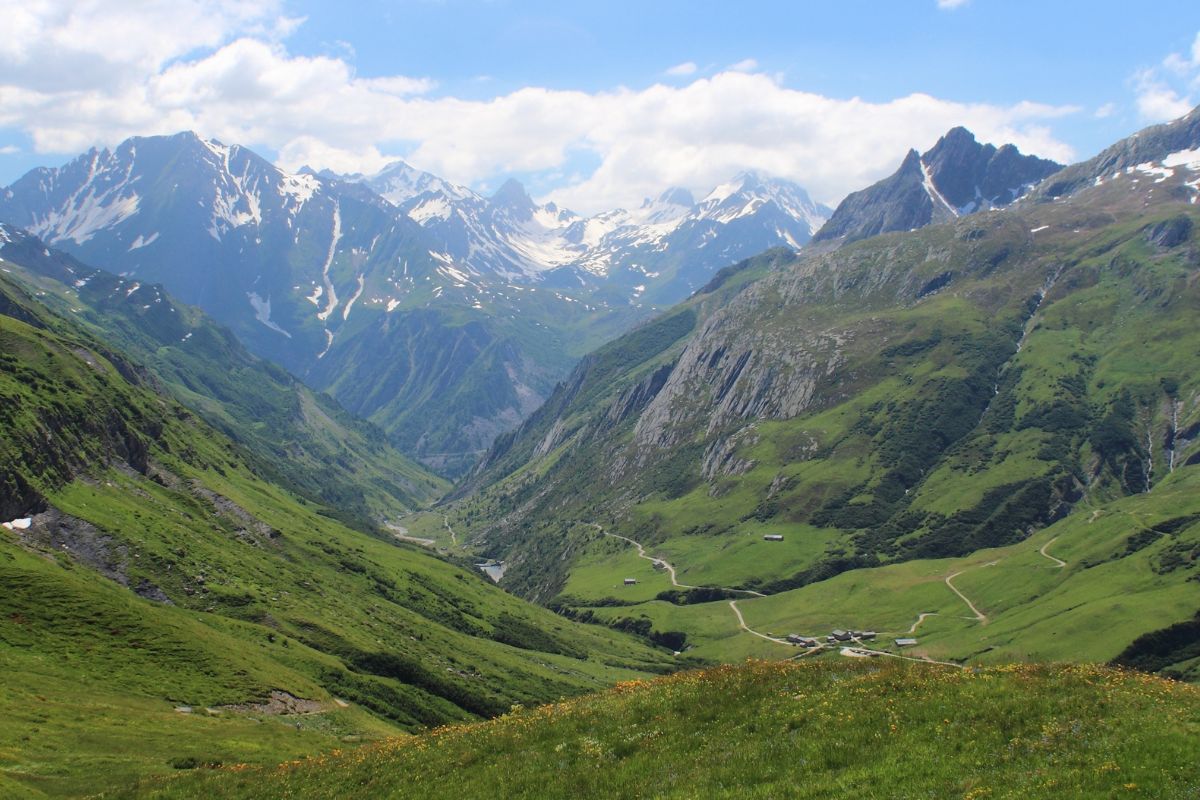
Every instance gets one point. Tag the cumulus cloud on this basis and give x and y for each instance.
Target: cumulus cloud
(1171, 88)
(948, 5)
(235, 79)
(682, 70)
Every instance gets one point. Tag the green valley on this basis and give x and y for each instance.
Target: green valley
(153, 582)
(910, 418)
(347, 467)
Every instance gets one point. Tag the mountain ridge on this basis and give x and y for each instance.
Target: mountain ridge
(324, 276)
(956, 177)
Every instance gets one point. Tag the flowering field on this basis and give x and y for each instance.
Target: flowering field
(780, 729)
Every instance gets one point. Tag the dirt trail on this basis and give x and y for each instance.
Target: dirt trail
(742, 624)
(1058, 561)
(859, 649)
(666, 565)
(446, 522)
(979, 615)
(920, 619)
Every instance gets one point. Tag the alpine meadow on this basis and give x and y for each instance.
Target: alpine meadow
(503, 400)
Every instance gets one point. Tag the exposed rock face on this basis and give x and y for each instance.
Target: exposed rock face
(957, 176)
(1170, 233)
(896, 203)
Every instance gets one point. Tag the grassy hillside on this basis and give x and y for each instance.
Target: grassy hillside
(768, 730)
(292, 435)
(156, 588)
(897, 410)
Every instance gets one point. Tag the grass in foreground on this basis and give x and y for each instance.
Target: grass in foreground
(779, 729)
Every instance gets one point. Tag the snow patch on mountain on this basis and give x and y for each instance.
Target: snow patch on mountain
(1189, 159)
(932, 191)
(94, 206)
(330, 292)
(357, 294)
(142, 241)
(262, 312)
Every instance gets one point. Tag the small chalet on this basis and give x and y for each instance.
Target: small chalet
(773, 537)
(841, 635)
(630, 581)
(905, 642)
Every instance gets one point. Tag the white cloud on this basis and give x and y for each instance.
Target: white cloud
(745, 65)
(1105, 111)
(1170, 89)
(949, 5)
(682, 70)
(235, 80)
(9, 150)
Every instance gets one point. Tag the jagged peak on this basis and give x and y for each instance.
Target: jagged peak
(911, 162)
(676, 195)
(397, 166)
(958, 134)
(512, 194)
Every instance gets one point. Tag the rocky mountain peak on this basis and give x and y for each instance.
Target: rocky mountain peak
(512, 196)
(676, 195)
(911, 163)
(956, 176)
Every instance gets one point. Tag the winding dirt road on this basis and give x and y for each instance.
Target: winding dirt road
(859, 649)
(979, 615)
(742, 624)
(1058, 561)
(446, 522)
(659, 562)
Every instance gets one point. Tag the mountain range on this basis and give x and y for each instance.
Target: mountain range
(952, 423)
(985, 430)
(443, 316)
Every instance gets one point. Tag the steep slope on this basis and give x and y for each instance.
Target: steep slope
(307, 271)
(148, 572)
(297, 437)
(787, 730)
(957, 176)
(474, 306)
(904, 399)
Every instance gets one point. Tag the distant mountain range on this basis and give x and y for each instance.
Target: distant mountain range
(662, 250)
(443, 316)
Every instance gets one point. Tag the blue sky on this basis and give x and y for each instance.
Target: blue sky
(593, 104)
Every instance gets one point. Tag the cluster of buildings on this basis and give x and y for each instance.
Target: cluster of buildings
(838, 635)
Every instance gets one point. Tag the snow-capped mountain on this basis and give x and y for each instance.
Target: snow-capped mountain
(957, 176)
(281, 258)
(660, 251)
(399, 293)
(399, 182)
(668, 248)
